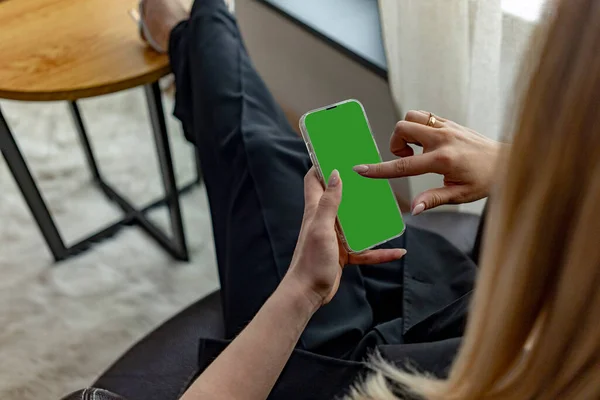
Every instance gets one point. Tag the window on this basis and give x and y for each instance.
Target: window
(526, 9)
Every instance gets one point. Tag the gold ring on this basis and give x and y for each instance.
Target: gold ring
(431, 122)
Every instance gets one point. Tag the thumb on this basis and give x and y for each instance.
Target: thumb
(330, 200)
(433, 198)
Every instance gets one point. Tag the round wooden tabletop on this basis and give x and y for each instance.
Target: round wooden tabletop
(70, 49)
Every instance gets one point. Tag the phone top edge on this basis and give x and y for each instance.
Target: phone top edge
(302, 121)
(323, 108)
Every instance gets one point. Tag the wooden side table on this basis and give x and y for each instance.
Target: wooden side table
(71, 49)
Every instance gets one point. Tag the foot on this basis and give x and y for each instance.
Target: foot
(160, 17)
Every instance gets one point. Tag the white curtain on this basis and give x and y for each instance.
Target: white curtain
(445, 56)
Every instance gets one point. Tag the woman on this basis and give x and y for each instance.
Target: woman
(533, 332)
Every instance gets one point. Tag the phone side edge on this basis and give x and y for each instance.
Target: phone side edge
(309, 148)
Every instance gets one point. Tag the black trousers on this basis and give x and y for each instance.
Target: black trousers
(254, 164)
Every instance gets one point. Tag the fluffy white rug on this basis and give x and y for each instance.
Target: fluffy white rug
(62, 325)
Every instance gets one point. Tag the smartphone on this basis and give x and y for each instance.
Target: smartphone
(339, 137)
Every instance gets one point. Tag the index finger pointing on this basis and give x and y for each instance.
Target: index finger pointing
(402, 167)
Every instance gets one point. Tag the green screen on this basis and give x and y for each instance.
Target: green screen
(341, 138)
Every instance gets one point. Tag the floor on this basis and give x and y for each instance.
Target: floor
(63, 324)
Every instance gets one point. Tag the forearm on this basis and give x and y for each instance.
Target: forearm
(251, 364)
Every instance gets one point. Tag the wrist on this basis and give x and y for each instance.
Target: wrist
(302, 295)
(494, 156)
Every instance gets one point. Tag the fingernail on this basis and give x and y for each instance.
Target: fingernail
(334, 178)
(419, 208)
(401, 252)
(361, 169)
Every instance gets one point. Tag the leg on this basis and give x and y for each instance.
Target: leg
(20, 172)
(85, 141)
(198, 166)
(254, 165)
(421, 300)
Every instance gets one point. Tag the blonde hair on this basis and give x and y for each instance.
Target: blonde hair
(534, 325)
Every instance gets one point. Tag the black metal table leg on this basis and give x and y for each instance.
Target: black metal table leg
(85, 141)
(175, 246)
(20, 171)
(157, 116)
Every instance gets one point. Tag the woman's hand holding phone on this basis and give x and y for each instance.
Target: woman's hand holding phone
(319, 256)
(464, 157)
